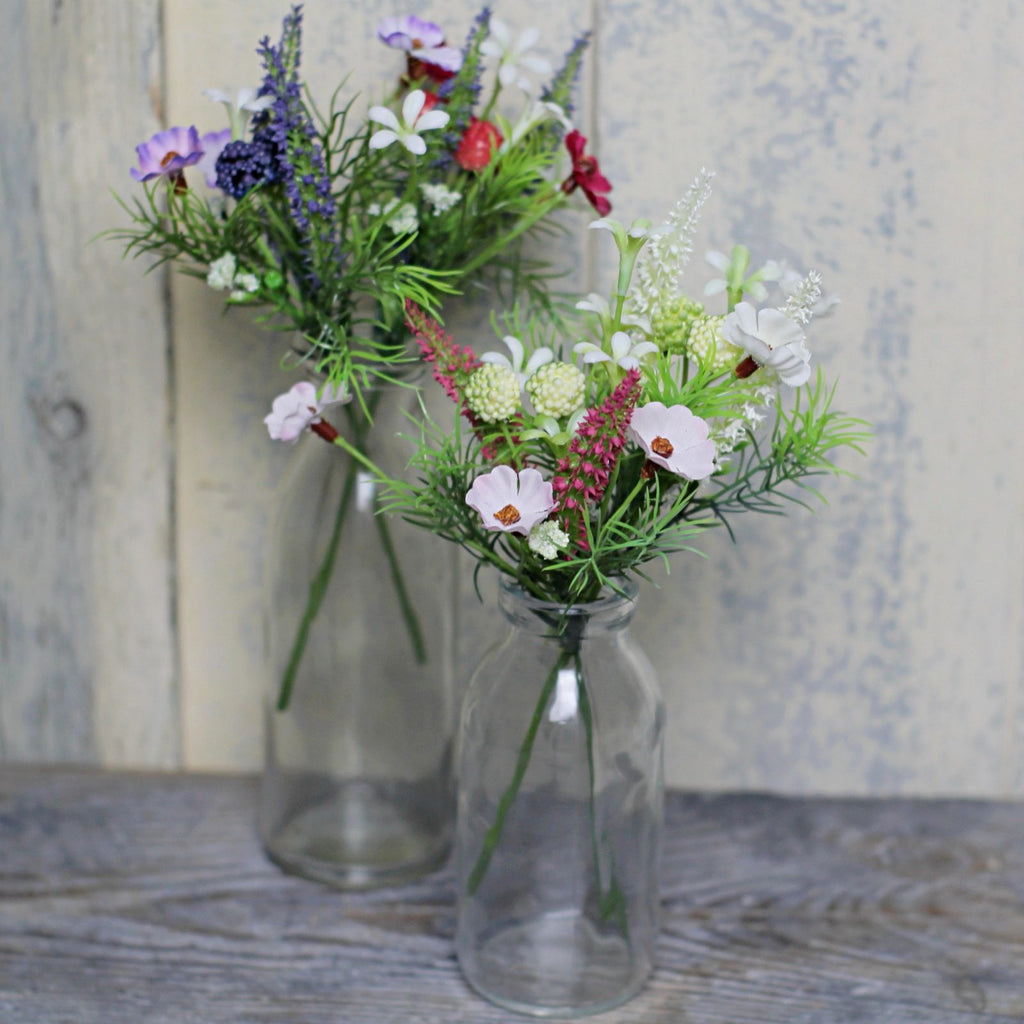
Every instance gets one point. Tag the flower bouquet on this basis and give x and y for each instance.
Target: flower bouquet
(327, 223)
(592, 448)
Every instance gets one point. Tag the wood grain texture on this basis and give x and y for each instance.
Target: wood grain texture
(144, 899)
(86, 646)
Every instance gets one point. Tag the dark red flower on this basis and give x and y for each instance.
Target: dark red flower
(479, 143)
(586, 174)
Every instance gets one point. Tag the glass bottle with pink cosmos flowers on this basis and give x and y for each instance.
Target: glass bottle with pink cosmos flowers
(326, 223)
(573, 464)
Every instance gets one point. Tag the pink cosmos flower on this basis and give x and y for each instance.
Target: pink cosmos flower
(509, 501)
(674, 439)
(167, 153)
(299, 408)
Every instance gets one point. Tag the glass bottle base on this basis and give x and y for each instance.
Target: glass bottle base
(359, 835)
(554, 965)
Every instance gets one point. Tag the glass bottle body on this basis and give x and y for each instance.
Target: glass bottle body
(560, 811)
(357, 787)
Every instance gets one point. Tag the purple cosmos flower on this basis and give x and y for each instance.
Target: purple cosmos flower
(420, 39)
(213, 144)
(674, 439)
(167, 153)
(298, 408)
(509, 501)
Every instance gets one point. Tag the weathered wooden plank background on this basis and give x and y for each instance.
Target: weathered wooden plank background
(878, 647)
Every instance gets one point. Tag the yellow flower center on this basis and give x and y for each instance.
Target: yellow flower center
(507, 515)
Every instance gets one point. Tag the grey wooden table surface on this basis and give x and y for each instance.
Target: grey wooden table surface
(130, 898)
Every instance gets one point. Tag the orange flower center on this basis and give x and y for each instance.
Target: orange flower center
(507, 515)
(168, 157)
(662, 446)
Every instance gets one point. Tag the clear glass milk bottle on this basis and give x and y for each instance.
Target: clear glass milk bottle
(357, 786)
(560, 810)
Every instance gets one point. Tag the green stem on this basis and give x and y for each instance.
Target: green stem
(613, 901)
(493, 834)
(318, 587)
(317, 590)
(412, 625)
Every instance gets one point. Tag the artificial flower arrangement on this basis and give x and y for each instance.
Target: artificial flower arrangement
(330, 224)
(577, 462)
(592, 448)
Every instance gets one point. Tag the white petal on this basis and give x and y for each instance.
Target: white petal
(432, 119)
(498, 358)
(540, 357)
(515, 347)
(718, 260)
(414, 144)
(489, 48)
(412, 105)
(218, 96)
(381, 115)
(382, 138)
(594, 303)
(603, 223)
(715, 286)
(621, 344)
(527, 38)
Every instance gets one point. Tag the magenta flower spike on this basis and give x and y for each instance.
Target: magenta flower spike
(167, 154)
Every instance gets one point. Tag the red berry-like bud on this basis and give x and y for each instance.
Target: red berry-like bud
(478, 145)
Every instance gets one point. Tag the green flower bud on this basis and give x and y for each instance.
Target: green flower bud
(670, 327)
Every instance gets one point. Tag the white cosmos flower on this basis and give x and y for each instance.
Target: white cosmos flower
(625, 352)
(771, 339)
(407, 129)
(514, 360)
(514, 54)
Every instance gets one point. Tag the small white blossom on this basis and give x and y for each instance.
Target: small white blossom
(625, 352)
(245, 103)
(221, 275)
(245, 284)
(534, 113)
(406, 130)
(547, 539)
(440, 197)
(402, 218)
(515, 359)
(513, 56)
